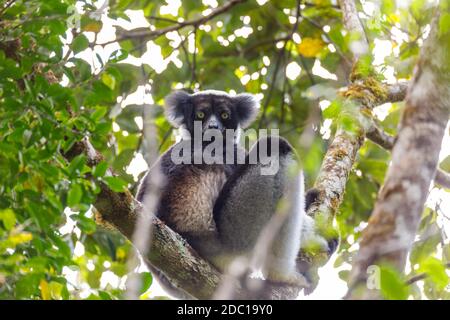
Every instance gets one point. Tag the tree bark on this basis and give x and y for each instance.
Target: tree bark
(396, 216)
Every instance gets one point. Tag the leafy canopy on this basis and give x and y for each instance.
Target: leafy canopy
(63, 77)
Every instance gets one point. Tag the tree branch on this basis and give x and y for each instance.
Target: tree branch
(396, 216)
(395, 92)
(380, 137)
(353, 25)
(387, 141)
(152, 34)
(6, 6)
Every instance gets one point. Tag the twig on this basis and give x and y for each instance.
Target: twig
(283, 103)
(320, 6)
(387, 141)
(421, 276)
(278, 64)
(7, 5)
(162, 19)
(152, 34)
(244, 50)
(272, 85)
(442, 178)
(186, 53)
(307, 70)
(354, 25)
(194, 58)
(165, 137)
(380, 137)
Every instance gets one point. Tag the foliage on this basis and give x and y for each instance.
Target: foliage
(60, 81)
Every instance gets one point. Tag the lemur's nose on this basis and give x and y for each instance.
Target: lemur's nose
(213, 123)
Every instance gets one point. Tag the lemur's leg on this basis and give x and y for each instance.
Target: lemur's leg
(281, 264)
(249, 200)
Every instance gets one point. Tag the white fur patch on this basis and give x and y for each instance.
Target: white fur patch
(213, 92)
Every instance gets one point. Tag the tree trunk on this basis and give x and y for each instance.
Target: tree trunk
(397, 213)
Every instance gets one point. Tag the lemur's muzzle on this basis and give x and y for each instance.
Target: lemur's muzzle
(213, 123)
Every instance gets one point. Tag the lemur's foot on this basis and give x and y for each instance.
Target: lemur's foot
(319, 240)
(317, 237)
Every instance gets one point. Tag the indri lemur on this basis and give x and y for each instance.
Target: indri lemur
(220, 209)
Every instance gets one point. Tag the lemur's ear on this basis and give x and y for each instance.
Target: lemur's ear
(247, 107)
(175, 104)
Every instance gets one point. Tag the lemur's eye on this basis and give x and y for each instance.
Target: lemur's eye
(200, 114)
(225, 115)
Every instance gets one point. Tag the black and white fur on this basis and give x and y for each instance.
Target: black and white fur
(220, 209)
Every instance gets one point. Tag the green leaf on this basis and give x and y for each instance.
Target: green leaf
(423, 248)
(76, 165)
(28, 286)
(436, 271)
(8, 218)
(104, 295)
(146, 281)
(74, 196)
(333, 110)
(109, 80)
(444, 24)
(100, 169)
(118, 55)
(80, 43)
(55, 289)
(393, 286)
(445, 164)
(91, 25)
(115, 183)
(87, 225)
(344, 274)
(99, 113)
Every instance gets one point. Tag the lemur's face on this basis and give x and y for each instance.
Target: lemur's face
(212, 109)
